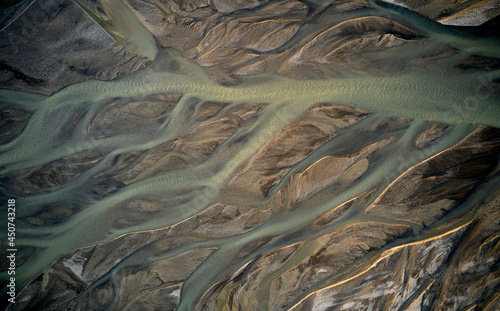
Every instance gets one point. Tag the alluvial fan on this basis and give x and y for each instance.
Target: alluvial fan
(250, 155)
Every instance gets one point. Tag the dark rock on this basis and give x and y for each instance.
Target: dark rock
(39, 46)
(12, 123)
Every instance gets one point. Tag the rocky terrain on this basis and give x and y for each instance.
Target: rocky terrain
(251, 155)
